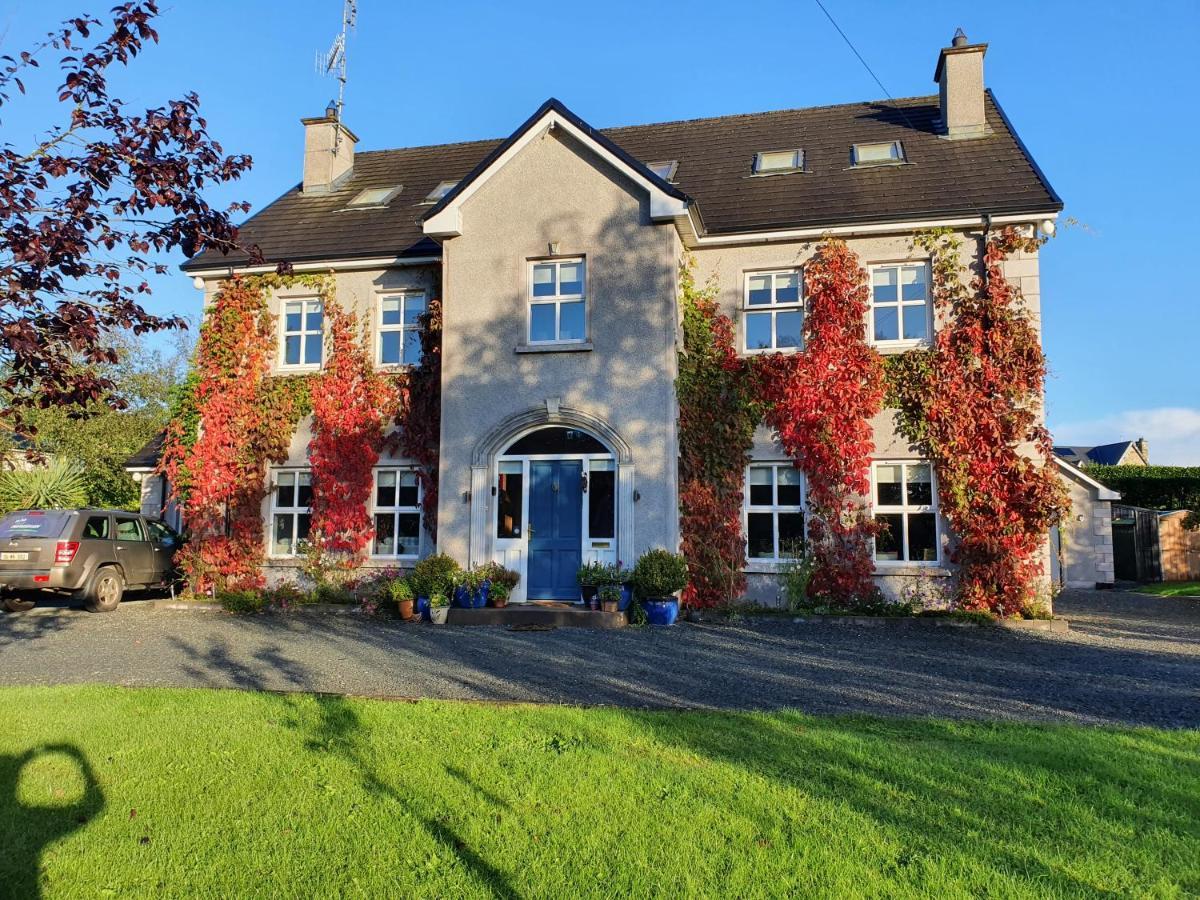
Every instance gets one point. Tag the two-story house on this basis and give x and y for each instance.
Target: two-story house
(555, 252)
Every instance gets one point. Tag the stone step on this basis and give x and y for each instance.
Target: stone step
(564, 616)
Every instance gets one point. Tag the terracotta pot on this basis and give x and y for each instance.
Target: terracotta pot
(499, 602)
(610, 605)
(406, 609)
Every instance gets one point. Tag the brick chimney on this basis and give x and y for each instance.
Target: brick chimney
(325, 168)
(959, 75)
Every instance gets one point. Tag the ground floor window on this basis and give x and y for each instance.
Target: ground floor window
(774, 510)
(291, 511)
(906, 506)
(397, 514)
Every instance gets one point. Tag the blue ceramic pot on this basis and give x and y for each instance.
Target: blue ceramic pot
(462, 597)
(662, 611)
(626, 597)
(479, 597)
(423, 609)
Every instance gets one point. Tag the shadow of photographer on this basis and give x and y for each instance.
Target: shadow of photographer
(27, 829)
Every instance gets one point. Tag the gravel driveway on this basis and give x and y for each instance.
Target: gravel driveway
(1128, 659)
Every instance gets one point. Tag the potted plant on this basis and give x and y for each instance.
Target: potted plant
(502, 582)
(657, 578)
(610, 598)
(402, 593)
(622, 576)
(498, 595)
(430, 576)
(590, 576)
(439, 608)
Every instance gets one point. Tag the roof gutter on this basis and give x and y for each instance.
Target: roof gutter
(326, 265)
(797, 234)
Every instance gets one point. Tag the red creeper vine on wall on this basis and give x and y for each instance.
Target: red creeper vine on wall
(717, 416)
(419, 417)
(820, 402)
(973, 402)
(218, 470)
(351, 405)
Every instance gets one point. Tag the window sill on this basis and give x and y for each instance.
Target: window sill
(888, 348)
(297, 370)
(561, 347)
(933, 570)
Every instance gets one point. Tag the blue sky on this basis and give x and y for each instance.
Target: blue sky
(1100, 92)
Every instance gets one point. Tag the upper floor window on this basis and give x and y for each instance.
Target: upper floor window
(440, 191)
(397, 513)
(774, 317)
(882, 153)
(777, 161)
(664, 170)
(558, 302)
(906, 507)
(302, 332)
(400, 329)
(900, 308)
(291, 511)
(373, 198)
(774, 512)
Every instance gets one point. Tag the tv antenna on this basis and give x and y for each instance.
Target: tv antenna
(333, 62)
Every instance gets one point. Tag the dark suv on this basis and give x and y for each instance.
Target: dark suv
(90, 554)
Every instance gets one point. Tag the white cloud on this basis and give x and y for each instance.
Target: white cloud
(1172, 432)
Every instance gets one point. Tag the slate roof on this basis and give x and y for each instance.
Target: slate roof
(1103, 455)
(149, 455)
(941, 179)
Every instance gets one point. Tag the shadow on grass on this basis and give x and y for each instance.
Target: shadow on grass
(26, 830)
(1003, 794)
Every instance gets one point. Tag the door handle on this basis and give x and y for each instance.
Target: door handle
(529, 530)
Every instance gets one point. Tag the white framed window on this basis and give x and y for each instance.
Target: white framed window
(773, 318)
(291, 511)
(301, 337)
(400, 329)
(665, 169)
(901, 312)
(774, 510)
(905, 504)
(443, 188)
(773, 162)
(880, 153)
(558, 301)
(396, 511)
(374, 198)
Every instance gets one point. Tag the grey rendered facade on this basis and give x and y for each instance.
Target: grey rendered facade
(597, 214)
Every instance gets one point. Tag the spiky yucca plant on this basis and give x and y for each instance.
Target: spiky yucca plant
(60, 484)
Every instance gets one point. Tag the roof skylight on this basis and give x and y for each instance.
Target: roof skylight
(664, 170)
(773, 162)
(440, 191)
(373, 198)
(882, 153)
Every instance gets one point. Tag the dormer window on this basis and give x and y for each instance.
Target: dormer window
(884, 153)
(664, 170)
(373, 198)
(440, 191)
(777, 162)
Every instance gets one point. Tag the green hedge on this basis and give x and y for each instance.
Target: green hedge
(1154, 487)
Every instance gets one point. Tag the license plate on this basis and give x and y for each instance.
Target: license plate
(10, 555)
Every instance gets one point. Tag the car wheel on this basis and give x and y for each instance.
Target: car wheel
(104, 590)
(16, 604)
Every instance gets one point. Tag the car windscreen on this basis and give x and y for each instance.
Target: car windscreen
(33, 524)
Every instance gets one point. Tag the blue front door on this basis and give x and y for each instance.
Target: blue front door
(556, 521)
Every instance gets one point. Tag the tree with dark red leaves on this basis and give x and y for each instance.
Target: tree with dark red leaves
(84, 211)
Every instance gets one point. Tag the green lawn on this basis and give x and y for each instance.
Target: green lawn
(116, 792)
(1171, 589)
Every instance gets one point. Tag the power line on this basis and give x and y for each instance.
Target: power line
(854, 50)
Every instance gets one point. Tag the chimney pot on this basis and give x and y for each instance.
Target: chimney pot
(326, 168)
(959, 75)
